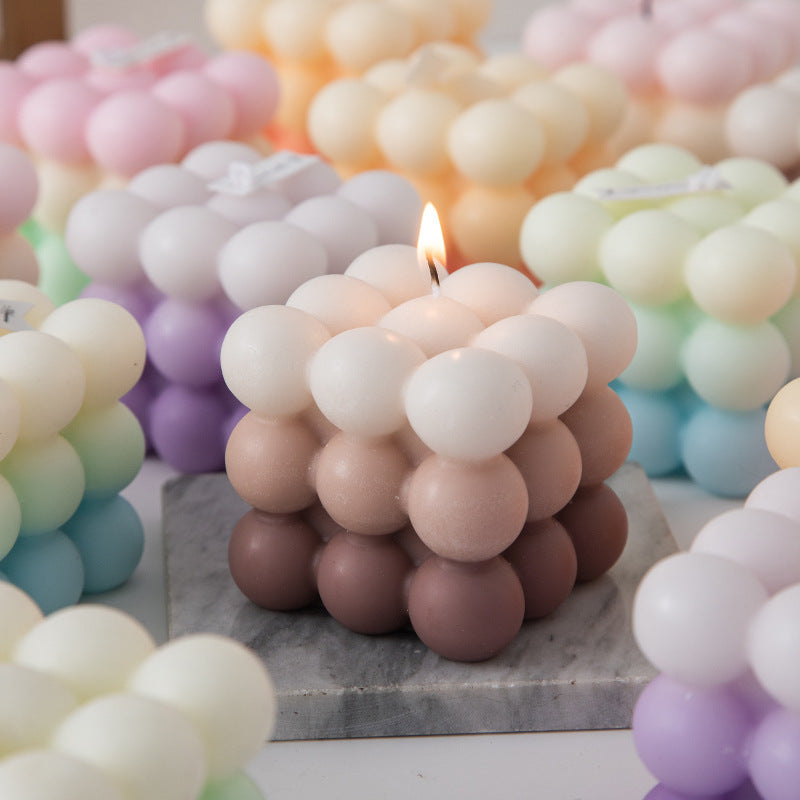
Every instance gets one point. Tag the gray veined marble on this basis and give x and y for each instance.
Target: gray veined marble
(578, 669)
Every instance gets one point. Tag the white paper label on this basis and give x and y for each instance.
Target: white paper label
(12, 315)
(243, 178)
(708, 179)
(140, 53)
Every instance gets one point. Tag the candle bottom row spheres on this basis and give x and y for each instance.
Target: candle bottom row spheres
(439, 464)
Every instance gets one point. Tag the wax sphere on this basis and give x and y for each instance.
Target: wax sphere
(91, 649)
(777, 492)
(133, 130)
(103, 36)
(45, 60)
(753, 182)
(779, 217)
(511, 70)
(48, 379)
(642, 256)
(14, 86)
(691, 615)
(766, 542)
(357, 377)
(394, 270)
(112, 363)
(18, 170)
(740, 274)
(468, 403)
(264, 262)
(147, 747)
(359, 34)
(563, 117)
(656, 365)
(168, 185)
(103, 232)
(658, 163)
(706, 213)
(781, 428)
(560, 236)
(295, 30)
(10, 413)
(221, 687)
(262, 204)
(264, 357)
(11, 518)
(339, 302)
(341, 120)
(53, 117)
(551, 355)
(235, 23)
(33, 704)
(21, 615)
(704, 66)
(210, 161)
(38, 774)
(253, 85)
(734, 367)
(344, 229)
(557, 35)
(409, 146)
(393, 203)
(179, 251)
(496, 142)
(314, 179)
(603, 321)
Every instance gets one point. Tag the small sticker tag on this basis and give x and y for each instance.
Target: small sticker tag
(12, 315)
(243, 178)
(708, 179)
(149, 49)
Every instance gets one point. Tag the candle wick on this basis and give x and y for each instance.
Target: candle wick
(435, 285)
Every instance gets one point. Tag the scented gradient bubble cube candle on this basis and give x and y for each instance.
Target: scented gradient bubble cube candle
(186, 248)
(93, 709)
(99, 109)
(708, 260)
(720, 622)
(481, 139)
(312, 42)
(68, 446)
(432, 459)
(683, 61)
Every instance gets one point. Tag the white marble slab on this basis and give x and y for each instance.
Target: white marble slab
(579, 669)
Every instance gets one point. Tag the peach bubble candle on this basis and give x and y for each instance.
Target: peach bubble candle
(481, 139)
(708, 259)
(433, 454)
(683, 61)
(186, 248)
(93, 709)
(67, 445)
(312, 42)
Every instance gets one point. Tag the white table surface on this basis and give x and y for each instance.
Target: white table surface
(598, 765)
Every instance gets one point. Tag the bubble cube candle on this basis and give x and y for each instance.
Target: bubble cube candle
(481, 139)
(93, 709)
(17, 258)
(67, 445)
(711, 276)
(432, 459)
(101, 108)
(683, 61)
(720, 622)
(313, 42)
(186, 258)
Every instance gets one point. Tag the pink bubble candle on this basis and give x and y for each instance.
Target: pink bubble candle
(17, 257)
(481, 139)
(68, 445)
(186, 248)
(101, 712)
(107, 105)
(683, 61)
(432, 458)
(720, 623)
(708, 260)
(312, 42)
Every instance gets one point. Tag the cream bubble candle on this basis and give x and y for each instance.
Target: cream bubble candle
(312, 42)
(67, 445)
(99, 109)
(432, 458)
(708, 259)
(95, 710)
(186, 248)
(719, 622)
(482, 139)
(683, 61)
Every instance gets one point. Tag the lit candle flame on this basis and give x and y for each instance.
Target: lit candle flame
(430, 245)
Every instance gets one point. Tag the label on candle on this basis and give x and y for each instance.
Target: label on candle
(708, 179)
(140, 53)
(243, 178)
(12, 315)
